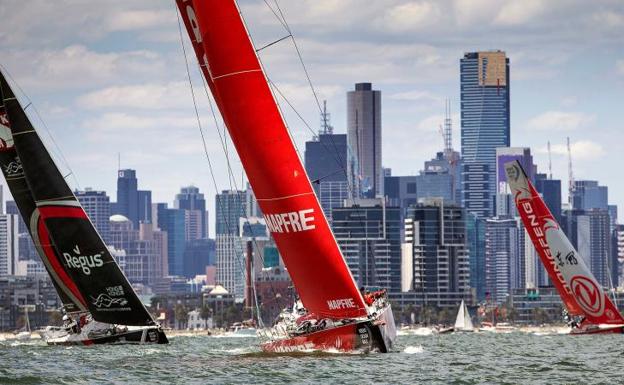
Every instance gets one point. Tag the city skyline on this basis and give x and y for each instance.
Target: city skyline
(102, 92)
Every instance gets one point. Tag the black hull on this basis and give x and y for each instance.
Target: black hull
(136, 337)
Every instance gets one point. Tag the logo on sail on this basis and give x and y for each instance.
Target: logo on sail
(14, 168)
(588, 295)
(84, 262)
(106, 301)
(343, 303)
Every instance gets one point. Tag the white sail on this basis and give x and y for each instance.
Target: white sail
(463, 321)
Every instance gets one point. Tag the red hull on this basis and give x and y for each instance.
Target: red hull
(364, 336)
(616, 329)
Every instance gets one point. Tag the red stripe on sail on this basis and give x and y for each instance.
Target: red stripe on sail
(275, 172)
(53, 258)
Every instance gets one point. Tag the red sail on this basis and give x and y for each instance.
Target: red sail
(275, 172)
(579, 290)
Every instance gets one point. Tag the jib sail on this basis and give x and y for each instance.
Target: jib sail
(280, 183)
(62, 229)
(581, 293)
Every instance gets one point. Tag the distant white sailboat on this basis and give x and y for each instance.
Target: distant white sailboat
(463, 322)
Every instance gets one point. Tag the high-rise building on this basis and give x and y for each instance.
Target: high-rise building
(172, 221)
(502, 259)
(587, 194)
(435, 253)
(97, 206)
(485, 125)
(192, 201)
(332, 169)
(369, 235)
(550, 189)
(505, 205)
(440, 179)
(11, 208)
(590, 233)
(229, 207)
(144, 253)
(475, 233)
(132, 203)
(198, 254)
(9, 244)
(401, 191)
(364, 135)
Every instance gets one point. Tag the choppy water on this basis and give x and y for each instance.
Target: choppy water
(515, 358)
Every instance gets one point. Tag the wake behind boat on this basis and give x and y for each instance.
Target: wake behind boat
(334, 313)
(96, 295)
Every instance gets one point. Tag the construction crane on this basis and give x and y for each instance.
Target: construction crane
(571, 187)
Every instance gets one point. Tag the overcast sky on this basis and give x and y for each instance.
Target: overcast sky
(109, 77)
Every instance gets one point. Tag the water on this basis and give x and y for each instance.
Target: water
(435, 359)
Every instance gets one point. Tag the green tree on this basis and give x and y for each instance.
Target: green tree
(181, 315)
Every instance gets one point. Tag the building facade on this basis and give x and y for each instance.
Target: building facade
(364, 135)
(97, 206)
(485, 125)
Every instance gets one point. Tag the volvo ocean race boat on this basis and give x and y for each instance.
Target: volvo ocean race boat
(333, 313)
(100, 304)
(589, 308)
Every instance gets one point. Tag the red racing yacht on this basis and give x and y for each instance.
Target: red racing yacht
(332, 313)
(589, 309)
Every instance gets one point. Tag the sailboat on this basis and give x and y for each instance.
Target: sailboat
(463, 322)
(333, 313)
(589, 309)
(25, 334)
(99, 303)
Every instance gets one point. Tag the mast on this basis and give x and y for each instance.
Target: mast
(276, 174)
(63, 231)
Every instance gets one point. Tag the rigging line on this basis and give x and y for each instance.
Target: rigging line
(231, 176)
(45, 126)
(238, 259)
(334, 153)
(272, 43)
(305, 70)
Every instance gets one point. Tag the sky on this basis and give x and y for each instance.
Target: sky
(108, 81)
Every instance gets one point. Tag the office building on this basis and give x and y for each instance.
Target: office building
(364, 135)
(485, 126)
(505, 205)
(172, 221)
(97, 206)
(587, 194)
(369, 235)
(9, 244)
(435, 258)
(194, 204)
(502, 259)
(132, 203)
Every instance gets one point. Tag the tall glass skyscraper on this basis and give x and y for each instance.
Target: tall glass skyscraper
(484, 78)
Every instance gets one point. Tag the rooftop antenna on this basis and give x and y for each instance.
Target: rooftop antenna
(118, 161)
(326, 127)
(448, 128)
(571, 187)
(549, 162)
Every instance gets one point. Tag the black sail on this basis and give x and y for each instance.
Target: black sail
(16, 181)
(60, 220)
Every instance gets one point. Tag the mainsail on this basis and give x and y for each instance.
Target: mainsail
(276, 174)
(581, 293)
(62, 231)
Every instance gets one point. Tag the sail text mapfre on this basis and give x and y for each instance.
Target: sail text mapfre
(279, 181)
(581, 293)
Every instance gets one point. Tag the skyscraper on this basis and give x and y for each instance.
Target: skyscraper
(439, 179)
(9, 244)
(190, 199)
(501, 257)
(97, 206)
(132, 203)
(484, 78)
(332, 169)
(364, 135)
(587, 194)
(505, 205)
(369, 235)
(435, 253)
(172, 221)
(230, 206)
(551, 192)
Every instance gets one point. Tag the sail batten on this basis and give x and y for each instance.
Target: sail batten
(293, 214)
